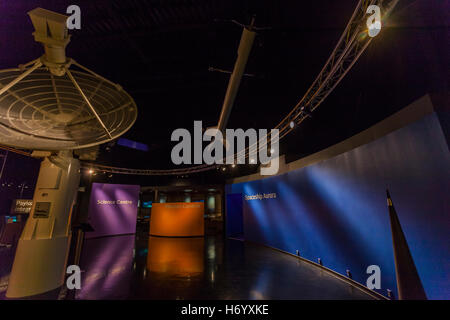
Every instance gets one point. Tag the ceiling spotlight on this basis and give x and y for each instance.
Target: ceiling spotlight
(292, 124)
(224, 168)
(91, 171)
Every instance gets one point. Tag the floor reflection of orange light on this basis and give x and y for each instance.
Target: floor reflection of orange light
(176, 256)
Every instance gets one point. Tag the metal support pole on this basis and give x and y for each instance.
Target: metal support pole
(5, 157)
(37, 64)
(245, 46)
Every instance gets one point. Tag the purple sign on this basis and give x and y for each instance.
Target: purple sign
(113, 209)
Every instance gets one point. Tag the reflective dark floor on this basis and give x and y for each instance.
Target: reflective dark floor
(6, 260)
(142, 267)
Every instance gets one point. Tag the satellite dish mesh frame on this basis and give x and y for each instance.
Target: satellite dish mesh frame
(46, 106)
(41, 102)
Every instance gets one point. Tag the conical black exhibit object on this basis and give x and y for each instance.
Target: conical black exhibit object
(408, 280)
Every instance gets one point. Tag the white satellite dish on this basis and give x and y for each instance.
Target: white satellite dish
(46, 105)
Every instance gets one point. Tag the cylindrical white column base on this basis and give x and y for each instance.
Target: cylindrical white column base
(39, 267)
(41, 256)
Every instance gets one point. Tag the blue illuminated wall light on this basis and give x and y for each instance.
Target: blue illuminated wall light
(132, 144)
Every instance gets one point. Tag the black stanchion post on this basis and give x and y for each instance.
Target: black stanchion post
(349, 274)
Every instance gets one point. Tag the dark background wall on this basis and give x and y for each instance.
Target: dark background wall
(19, 176)
(161, 52)
(17, 181)
(336, 209)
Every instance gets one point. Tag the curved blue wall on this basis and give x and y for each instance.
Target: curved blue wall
(336, 209)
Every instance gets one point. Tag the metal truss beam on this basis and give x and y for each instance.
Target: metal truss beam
(352, 43)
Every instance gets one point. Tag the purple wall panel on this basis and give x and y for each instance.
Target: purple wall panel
(113, 209)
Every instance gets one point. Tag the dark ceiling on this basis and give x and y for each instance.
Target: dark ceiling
(160, 52)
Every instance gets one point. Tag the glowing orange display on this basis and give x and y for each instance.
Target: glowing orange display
(177, 219)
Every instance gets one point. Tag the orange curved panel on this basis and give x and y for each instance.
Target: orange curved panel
(177, 219)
